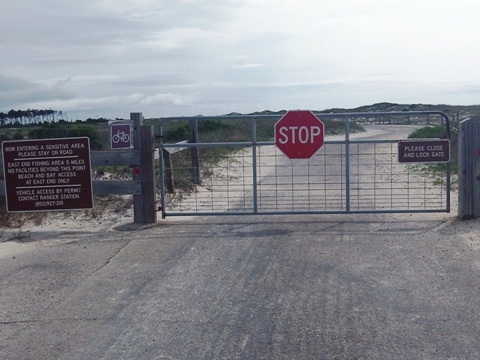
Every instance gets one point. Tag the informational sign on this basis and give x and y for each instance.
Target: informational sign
(49, 174)
(424, 151)
(120, 135)
(299, 134)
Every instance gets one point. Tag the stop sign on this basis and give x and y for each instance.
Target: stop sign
(299, 134)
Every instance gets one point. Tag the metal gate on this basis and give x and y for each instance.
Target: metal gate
(232, 167)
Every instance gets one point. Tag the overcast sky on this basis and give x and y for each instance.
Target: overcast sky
(107, 58)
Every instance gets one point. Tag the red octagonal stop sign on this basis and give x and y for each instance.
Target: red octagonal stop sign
(299, 134)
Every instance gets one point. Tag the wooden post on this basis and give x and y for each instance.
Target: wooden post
(144, 210)
(469, 169)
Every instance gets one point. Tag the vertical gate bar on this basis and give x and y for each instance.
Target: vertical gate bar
(347, 164)
(254, 164)
(447, 125)
(194, 152)
(161, 170)
(448, 187)
(375, 176)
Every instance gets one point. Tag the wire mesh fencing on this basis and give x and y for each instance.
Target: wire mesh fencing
(353, 173)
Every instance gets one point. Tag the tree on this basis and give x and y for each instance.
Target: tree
(3, 118)
(13, 115)
(30, 116)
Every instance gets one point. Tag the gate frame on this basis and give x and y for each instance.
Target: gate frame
(254, 144)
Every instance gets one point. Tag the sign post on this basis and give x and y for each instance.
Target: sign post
(47, 174)
(299, 134)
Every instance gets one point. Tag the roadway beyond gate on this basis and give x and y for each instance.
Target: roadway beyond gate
(303, 172)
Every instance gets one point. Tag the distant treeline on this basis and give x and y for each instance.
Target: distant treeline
(30, 116)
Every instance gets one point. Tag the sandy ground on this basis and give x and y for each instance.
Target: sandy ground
(57, 225)
(307, 184)
(48, 228)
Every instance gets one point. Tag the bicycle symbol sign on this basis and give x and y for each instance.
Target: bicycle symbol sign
(120, 136)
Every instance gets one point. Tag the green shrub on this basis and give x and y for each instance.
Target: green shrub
(48, 131)
(58, 130)
(428, 132)
(88, 131)
(18, 136)
(177, 134)
(438, 132)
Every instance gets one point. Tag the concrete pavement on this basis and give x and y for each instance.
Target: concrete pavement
(303, 287)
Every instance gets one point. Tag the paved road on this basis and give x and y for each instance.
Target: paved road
(315, 287)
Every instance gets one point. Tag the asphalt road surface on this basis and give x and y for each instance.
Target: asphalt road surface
(303, 287)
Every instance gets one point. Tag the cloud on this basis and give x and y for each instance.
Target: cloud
(168, 98)
(20, 93)
(181, 57)
(119, 105)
